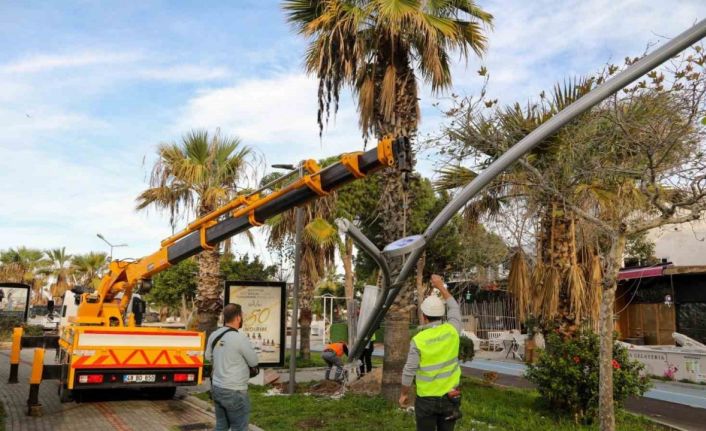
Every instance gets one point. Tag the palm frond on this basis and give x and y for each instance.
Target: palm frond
(453, 177)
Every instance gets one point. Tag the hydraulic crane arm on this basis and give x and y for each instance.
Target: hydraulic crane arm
(238, 215)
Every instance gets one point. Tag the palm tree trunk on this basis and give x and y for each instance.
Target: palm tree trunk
(208, 295)
(394, 214)
(208, 300)
(397, 318)
(557, 236)
(606, 409)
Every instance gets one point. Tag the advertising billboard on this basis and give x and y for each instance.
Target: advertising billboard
(14, 301)
(264, 304)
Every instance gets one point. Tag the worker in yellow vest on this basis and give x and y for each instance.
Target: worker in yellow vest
(433, 362)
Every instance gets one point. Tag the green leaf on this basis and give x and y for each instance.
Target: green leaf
(703, 121)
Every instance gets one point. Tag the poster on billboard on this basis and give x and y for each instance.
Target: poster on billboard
(264, 304)
(14, 301)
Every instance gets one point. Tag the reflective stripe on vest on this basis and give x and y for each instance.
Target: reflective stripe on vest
(439, 370)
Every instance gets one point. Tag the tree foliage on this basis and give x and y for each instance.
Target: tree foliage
(170, 285)
(459, 246)
(87, 268)
(372, 45)
(640, 250)
(246, 268)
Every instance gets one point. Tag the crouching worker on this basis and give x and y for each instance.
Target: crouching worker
(332, 356)
(433, 362)
(231, 356)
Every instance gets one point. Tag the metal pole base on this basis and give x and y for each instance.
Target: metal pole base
(33, 406)
(35, 411)
(13, 373)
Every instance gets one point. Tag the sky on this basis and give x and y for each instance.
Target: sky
(88, 89)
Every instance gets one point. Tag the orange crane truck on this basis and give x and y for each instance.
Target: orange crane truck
(102, 347)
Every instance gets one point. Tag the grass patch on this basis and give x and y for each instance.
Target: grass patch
(484, 408)
(204, 396)
(315, 361)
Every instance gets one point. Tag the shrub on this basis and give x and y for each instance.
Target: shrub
(8, 324)
(465, 349)
(33, 330)
(567, 374)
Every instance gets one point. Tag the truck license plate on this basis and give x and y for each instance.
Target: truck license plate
(139, 378)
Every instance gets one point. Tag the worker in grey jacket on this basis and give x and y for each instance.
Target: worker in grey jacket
(231, 355)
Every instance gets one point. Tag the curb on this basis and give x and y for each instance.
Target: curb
(207, 407)
(659, 422)
(695, 386)
(286, 371)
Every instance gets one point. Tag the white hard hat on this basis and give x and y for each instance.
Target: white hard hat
(433, 306)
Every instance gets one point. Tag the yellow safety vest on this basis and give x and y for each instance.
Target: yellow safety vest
(439, 370)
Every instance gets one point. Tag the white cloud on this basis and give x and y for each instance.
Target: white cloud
(58, 202)
(276, 114)
(46, 62)
(535, 44)
(43, 124)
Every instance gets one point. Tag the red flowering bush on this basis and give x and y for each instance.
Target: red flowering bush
(566, 374)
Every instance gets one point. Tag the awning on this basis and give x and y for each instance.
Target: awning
(650, 271)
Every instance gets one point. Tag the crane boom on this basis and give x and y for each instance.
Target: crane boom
(238, 215)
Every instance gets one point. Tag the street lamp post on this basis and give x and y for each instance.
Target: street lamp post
(112, 246)
(295, 288)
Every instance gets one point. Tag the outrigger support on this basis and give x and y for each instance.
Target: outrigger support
(409, 249)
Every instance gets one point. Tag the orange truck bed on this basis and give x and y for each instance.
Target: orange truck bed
(131, 357)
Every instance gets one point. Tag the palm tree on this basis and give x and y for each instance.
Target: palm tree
(59, 268)
(560, 292)
(376, 47)
(197, 175)
(23, 264)
(24, 261)
(87, 268)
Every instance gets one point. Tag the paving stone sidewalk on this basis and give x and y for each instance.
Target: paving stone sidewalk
(107, 410)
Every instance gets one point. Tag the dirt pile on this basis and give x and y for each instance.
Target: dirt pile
(369, 384)
(326, 387)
